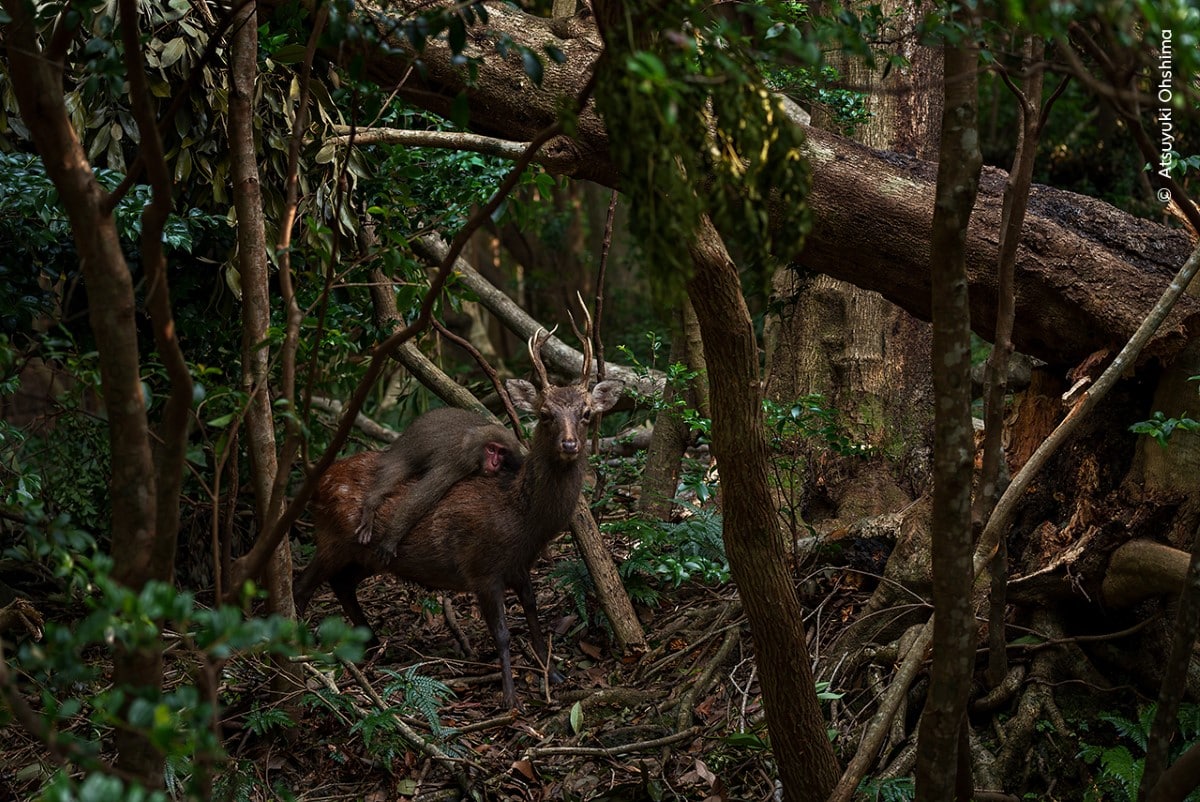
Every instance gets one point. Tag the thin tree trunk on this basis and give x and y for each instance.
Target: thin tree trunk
(1016, 199)
(807, 765)
(256, 297)
(954, 622)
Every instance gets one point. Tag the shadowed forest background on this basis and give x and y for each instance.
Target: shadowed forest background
(899, 496)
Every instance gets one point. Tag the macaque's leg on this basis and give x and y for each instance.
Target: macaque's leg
(422, 496)
(393, 469)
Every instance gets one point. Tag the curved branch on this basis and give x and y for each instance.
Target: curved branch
(451, 140)
(564, 358)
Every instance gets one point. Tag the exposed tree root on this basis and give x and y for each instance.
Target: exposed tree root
(1037, 703)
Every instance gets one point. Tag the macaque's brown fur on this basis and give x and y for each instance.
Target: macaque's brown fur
(441, 447)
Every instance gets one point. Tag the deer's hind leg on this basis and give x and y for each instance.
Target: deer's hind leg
(345, 583)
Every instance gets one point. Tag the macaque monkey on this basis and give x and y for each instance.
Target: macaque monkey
(441, 447)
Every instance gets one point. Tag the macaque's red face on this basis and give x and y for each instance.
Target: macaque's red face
(493, 457)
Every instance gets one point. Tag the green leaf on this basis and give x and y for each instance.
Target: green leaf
(173, 51)
(460, 110)
(457, 35)
(327, 153)
(577, 718)
(289, 54)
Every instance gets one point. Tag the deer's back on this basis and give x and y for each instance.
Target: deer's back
(477, 535)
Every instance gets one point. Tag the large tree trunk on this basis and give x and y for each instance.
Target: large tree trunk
(1087, 270)
(868, 357)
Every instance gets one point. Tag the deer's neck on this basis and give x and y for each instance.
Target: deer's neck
(549, 489)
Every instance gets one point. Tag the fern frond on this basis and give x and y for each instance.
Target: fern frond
(572, 577)
(1189, 721)
(1121, 766)
(262, 720)
(421, 693)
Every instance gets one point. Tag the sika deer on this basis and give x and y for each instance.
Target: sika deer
(484, 535)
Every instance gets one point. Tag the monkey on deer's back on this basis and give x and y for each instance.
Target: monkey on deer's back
(440, 447)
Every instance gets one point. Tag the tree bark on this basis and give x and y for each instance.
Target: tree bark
(807, 764)
(661, 477)
(256, 299)
(869, 358)
(941, 737)
(137, 551)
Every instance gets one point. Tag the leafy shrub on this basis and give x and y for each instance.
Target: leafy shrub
(67, 670)
(663, 554)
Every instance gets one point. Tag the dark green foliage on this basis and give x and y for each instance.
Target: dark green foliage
(808, 417)
(897, 789)
(819, 87)
(37, 251)
(662, 555)
(694, 131)
(669, 554)
(1086, 147)
(66, 670)
(1160, 427)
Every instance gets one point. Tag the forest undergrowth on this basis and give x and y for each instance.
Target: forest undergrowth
(683, 721)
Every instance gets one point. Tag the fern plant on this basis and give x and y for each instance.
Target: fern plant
(691, 550)
(262, 720)
(420, 693)
(1120, 766)
(662, 553)
(894, 789)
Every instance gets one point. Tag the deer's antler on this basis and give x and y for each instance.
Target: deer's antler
(585, 339)
(535, 344)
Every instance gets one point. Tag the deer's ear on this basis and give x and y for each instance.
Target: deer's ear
(606, 394)
(524, 394)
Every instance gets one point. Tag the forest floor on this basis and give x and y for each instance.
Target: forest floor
(415, 720)
(683, 721)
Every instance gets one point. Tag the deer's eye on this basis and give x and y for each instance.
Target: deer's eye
(586, 416)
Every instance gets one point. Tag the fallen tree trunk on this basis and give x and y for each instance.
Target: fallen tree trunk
(1087, 272)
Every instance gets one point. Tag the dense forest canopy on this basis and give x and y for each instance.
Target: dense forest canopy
(874, 429)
